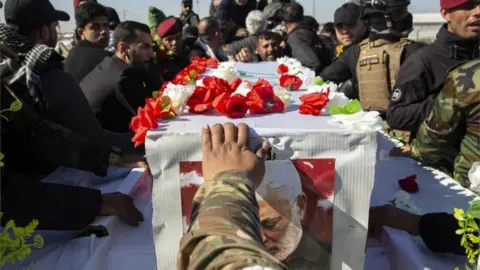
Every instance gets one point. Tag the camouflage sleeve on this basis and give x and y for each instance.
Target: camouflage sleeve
(451, 133)
(225, 230)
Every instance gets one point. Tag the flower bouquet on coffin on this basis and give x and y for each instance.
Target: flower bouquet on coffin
(290, 68)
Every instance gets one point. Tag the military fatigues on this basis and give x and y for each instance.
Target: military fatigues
(225, 230)
(450, 137)
(190, 19)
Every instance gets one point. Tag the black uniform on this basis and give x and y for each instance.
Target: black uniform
(421, 78)
(345, 67)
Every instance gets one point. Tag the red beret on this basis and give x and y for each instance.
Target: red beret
(448, 4)
(168, 27)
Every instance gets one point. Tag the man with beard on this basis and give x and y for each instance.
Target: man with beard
(210, 40)
(422, 76)
(282, 207)
(93, 35)
(117, 86)
(268, 49)
(188, 17)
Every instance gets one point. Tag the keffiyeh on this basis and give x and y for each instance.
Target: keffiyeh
(35, 59)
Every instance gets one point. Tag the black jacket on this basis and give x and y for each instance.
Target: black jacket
(115, 90)
(421, 78)
(345, 67)
(308, 48)
(236, 12)
(438, 233)
(83, 58)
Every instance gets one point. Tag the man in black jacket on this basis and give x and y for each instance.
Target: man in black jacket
(23, 198)
(421, 77)
(117, 86)
(345, 67)
(304, 45)
(93, 36)
(188, 17)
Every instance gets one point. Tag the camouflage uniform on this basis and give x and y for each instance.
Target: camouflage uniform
(225, 229)
(450, 137)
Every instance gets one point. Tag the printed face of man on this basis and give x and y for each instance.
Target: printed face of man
(281, 224)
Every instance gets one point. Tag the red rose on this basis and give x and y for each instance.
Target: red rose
(263, 100)
(314, 103)
(262, 83)
(282, 69)
(235, 84)
(291, 82)
(231, 106)
(201, 100)
(218, 85)
(141, 123)
(409, 184)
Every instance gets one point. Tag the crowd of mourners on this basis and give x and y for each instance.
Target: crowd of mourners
(78, 98)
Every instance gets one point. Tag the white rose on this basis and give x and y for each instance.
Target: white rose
(284, 95)
(244, 88)
(226, 71)
(179, 94)
(362, 121)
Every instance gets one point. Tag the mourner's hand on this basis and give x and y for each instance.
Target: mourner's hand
(225, 148)
(121, 205)
(131, 161)
(6, 52)
(244, 56)
(404, 151)
(391, 216)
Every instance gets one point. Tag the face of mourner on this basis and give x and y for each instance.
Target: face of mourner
(269, 49)
(464, 20)
(140, 52)
(96, 31)
(281, 225)
(186, 8)
(172, 42)
(349, 33)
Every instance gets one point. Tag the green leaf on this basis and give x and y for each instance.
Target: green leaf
(155, 93)
(353, 106)
(171, 116)
(460, 231)
(471, 223)
(318, 81)
(193, 74)
(475, 209)
(335, 109)
(167, 108)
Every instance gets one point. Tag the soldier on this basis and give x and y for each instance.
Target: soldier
(227, 237)
(373, 64)
(450, 137)
(422, 75)
(188, 17)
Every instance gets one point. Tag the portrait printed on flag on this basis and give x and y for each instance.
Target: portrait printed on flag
(295, 203)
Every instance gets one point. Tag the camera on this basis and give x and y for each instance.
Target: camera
(384, 5)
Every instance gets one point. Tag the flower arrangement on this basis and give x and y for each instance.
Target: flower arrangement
(469, 230)
(14, 241)
(205, 94)
(293, 67)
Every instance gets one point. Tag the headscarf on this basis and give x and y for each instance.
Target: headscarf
(35, 59)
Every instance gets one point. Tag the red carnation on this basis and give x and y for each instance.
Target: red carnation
(282, 69)
(291, 82)
(218, 85)
(409, 184)
(263, 100)
(235, 84)
(262, 83)
(201, 100)
(234, 106)
(314, 103)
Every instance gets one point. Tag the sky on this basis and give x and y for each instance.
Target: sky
(137, 9)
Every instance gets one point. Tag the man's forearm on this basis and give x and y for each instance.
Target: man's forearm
(225, 221)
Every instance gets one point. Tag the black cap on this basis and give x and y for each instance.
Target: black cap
(187, 2)
(31, 14)
(348, 13)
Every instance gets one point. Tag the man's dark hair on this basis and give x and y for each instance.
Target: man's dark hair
(329, 27)
(269, 35)
(292, 13)
(88, 12)
(127, 32)
(211, 24)
(310, 23)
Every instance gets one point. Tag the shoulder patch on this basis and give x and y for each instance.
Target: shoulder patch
(397, 94)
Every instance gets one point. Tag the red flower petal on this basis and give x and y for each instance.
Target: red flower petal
(409, 184)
